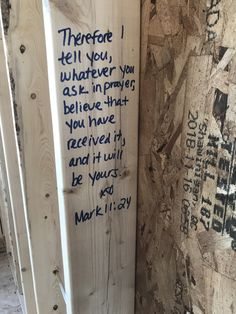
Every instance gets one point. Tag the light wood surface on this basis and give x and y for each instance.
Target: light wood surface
(27, 61)
(8, 221)
(99, 252)
(14, 182)
(186, 240)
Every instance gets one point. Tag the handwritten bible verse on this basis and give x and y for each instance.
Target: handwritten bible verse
(96, 90)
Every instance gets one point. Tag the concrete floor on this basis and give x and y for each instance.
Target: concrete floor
(9, 301)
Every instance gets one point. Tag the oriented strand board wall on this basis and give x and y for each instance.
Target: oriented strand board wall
(186, 232)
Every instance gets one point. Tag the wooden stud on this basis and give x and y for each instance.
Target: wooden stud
(98, 216)
(16, 193)
(27, 59)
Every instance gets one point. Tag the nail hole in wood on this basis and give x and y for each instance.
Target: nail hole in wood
(22, 49)
(33, 96)
(55, 307)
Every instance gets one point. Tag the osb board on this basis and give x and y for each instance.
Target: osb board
(186, 238)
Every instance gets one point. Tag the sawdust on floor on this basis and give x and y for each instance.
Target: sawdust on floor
(9, 301)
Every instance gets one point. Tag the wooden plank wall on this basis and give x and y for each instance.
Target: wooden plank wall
(96, 154)
(186, 225)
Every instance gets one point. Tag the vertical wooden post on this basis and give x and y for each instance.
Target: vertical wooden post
(9, 227)
(93, 56)
(16, 193)
(26, 46)
(4, 209)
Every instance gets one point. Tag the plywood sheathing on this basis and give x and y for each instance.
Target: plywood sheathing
(188, 74)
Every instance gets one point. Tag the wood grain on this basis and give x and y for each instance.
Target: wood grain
(100, 250)
(27, 61)
(186, 257)
(12, 162)
(8, 222)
